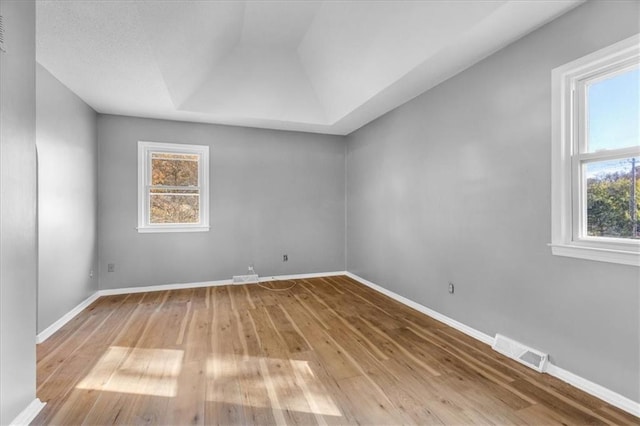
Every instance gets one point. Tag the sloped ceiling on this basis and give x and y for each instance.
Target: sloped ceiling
(318, 66)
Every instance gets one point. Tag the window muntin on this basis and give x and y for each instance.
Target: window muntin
(174, 193)
(606, 111)
(596, 142)
(172, 187)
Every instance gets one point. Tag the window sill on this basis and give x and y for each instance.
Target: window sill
(624, 257)
(148, 230)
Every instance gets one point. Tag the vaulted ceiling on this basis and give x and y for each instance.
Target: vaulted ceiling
(318, 66)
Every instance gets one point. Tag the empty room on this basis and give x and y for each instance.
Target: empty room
(319, 212)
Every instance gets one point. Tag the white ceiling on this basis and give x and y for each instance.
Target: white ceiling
(318, 66)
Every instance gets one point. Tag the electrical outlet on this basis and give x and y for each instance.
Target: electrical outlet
(91, 273)
(451, 288)
(285, 258)
(111, 267)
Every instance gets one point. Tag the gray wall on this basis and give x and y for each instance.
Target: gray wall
(17, 210)
(66, 139)
(271, 193)
(455, 186)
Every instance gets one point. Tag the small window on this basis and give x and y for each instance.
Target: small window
(596, 156)
(173, 193)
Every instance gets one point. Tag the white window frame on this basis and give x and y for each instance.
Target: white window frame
(568, 224)
(144, 182)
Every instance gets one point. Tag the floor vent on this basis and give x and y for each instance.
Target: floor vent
(521, 353)
(245, 279)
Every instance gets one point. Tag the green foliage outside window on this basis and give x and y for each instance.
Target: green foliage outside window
(609, 205)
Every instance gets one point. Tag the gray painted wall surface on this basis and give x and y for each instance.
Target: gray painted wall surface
(271, 193)
(66, 138)
(17, 210)
(455, 186)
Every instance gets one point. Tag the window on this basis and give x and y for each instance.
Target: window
(173, 194)
(596, 155)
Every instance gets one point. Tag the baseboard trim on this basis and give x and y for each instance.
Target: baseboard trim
(28, 414)
(605, 394)
(485, 338)
(303, 276)
(47, 332)
(163, 287)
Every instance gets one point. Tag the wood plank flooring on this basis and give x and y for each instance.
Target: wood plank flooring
(328, 351)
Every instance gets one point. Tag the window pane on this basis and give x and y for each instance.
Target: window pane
(613, 111)
(175, 208)
(612, 198)
(174, 169)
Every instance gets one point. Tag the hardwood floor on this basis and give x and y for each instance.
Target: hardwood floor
(328, 351)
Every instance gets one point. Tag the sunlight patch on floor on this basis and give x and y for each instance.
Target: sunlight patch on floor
(279, 384)
(137, 371)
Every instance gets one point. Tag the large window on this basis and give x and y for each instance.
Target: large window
(173, 187)
(596, 156)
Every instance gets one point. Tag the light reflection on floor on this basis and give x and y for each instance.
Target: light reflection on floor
(136, 370)
(267, 382)
(279, 384)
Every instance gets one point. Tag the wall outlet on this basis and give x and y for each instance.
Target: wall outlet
(91, 273)
(285, 257)
(111, 267)
(451, 289)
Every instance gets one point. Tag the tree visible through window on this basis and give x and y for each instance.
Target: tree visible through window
(596, 155)
(612, 185)
(172, 187)
(175, 197)
(612, 199)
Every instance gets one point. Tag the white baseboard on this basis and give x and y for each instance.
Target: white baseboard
(28, 414)
(303, 276)
(581, 383)
(613, 398)
(485, 338)
(46, 333)
(163, 287)
(605, 394)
